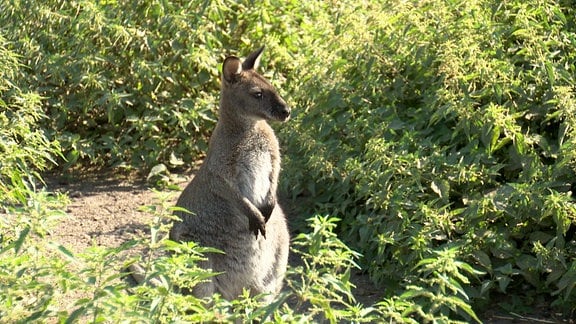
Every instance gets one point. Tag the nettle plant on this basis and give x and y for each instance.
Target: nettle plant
(136, 84)
(441, 133)
(444, 134)
(317, 290)
(125, 83)
(39, 278)
(26, 212)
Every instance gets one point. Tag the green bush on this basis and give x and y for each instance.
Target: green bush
(24, 145)
(135, 84)
(445, 128)
(441, 133)
(25, 211)
(36, 277)
(125, 82)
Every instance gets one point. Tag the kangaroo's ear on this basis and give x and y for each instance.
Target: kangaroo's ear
(231, 68)
(253, 60)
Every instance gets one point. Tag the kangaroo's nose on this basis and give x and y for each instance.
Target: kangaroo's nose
(284, 113)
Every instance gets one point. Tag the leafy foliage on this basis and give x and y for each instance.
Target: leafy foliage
(441, 133)
(24, 146)
(444, 125)
(25, 212)
(44, 274)
(135, 84)
(125, 82)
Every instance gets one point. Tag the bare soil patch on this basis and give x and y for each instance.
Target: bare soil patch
(104, 208)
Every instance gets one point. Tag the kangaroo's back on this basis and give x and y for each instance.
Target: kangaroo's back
(232, 198)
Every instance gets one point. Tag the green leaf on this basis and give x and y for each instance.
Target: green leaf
(21, 238)
(76, 315)
(567, 282)
(174, 161)
(66, 252)
(157, 170)
(483, 259)
(441, 188)
(462, 305)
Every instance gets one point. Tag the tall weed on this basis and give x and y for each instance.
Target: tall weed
(27, 213)
(134, 84)
(442, 124)
(425, 125)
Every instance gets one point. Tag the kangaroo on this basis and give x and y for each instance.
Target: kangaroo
(232, 199)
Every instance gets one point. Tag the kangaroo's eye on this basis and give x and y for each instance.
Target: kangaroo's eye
(257, 94)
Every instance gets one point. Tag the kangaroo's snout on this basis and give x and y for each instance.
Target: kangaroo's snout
(283, 113)
(280, 109)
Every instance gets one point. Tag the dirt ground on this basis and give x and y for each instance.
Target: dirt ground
(104, 210)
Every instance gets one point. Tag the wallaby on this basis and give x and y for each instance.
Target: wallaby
(232, 199)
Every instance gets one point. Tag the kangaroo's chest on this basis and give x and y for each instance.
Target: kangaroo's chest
(254, 173)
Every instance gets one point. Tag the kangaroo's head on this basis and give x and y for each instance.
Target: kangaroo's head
(248, 95)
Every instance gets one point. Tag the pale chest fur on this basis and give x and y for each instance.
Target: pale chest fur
(254, 173)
